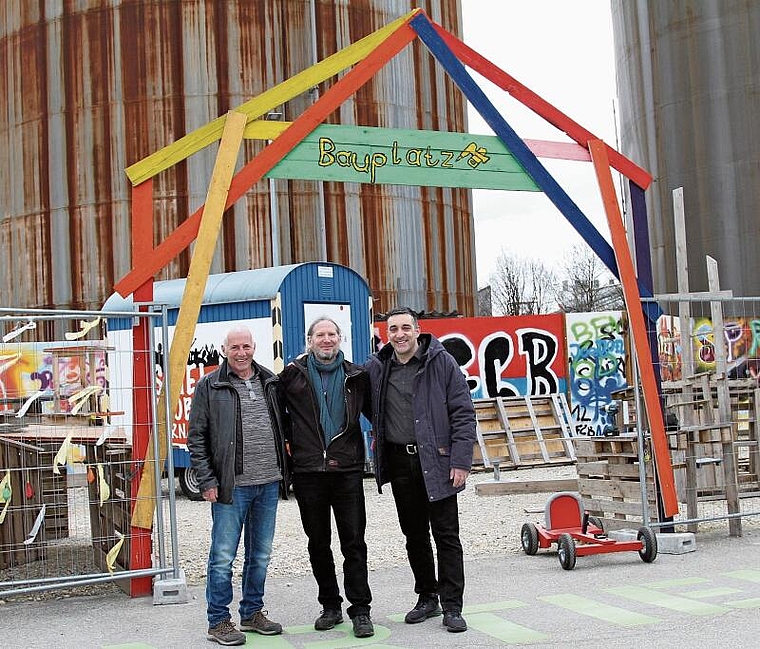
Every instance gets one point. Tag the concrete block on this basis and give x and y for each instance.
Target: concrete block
(677, 543)
(170, 590)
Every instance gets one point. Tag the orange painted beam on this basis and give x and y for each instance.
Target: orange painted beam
(540, 106)
(598, 151)
(252, 172)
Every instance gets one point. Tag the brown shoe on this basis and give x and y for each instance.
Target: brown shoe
(225, 633)
(260, 624)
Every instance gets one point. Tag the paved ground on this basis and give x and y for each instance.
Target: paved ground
(710, 597)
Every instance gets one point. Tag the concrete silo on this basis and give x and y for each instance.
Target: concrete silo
(96, 85)
(689, 88)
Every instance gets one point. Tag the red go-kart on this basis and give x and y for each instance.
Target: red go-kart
(577, 534)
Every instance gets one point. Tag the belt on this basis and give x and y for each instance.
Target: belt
(409, 449)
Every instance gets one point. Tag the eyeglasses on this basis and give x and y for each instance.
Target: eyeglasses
(249, 385)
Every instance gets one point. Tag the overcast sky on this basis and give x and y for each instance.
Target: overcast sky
(563, 51)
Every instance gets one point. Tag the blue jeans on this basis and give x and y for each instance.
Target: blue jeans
(343, 493)
(253, 510)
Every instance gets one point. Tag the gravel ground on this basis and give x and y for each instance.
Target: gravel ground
(488, 524)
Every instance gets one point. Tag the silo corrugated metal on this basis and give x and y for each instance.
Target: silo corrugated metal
(93, 86)
(689, 87)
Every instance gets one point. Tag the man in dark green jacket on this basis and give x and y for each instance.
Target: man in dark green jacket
(238, 453)
(323, 396)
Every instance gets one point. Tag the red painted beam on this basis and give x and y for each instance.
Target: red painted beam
(540, 106)
(140, 543)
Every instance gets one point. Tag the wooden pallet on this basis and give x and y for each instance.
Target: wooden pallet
(523, 431)
(609, 482)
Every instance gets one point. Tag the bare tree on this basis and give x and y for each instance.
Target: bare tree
(586, 285)
(521, 287)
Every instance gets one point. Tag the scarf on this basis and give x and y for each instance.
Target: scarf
(327, 381)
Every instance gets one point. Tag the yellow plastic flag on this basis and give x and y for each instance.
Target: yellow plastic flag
(84, 327)
(114, 552)
(103, 488)
(61, 457)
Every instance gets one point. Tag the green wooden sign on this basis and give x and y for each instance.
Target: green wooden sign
(360, 154)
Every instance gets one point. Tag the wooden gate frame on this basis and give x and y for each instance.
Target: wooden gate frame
(367, 56)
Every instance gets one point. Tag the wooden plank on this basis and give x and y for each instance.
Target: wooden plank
(563, 415)
(629, 490)
(504, 419)
(190, 306)
(512, 487)
(594, 505)
(537, 428)
(254, 171)
(730, 480)
(184, 147)
(638, 328)
(540, 106)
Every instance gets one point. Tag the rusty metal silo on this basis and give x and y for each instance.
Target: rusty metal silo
(95, 85)
(689, 87)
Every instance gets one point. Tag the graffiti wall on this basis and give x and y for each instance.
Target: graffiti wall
(596, 367)
(504, 356)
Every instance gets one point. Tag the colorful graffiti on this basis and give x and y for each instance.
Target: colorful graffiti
(504, 356)
(28, 368)
(597, 367)
(742, 343)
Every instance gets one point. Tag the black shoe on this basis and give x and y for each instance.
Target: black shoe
(328, 619)
(454, 622)
(427, 606)
(363, 627)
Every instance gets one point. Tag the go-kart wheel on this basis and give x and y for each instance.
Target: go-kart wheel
(648, 552)
(593, 520)
(529, 538)
(566, 551)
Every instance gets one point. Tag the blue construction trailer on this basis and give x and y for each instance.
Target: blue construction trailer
(277, 304)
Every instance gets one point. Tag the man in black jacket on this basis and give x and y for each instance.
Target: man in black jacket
(323, 395)
(238, 453)
(424, 426)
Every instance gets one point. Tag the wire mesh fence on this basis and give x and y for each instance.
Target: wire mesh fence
(72, 413)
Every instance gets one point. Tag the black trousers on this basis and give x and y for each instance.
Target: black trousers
(418, 517)
(316, 494)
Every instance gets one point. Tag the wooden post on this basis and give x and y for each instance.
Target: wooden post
(687, 353)
(730, 478)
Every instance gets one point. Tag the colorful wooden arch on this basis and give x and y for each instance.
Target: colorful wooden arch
(367, 56)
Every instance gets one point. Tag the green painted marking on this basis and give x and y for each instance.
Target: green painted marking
(504, 630)
(599, 610)
(382, 633)
(745, 603)
(745, 575)
(475, 608)
(664, 600)
(271, 641)
(711, 592)
(670, 583)
(363, 154)
(494, 606)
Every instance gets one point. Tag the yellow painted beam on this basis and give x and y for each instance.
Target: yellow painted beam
(187, 318)
(263, 103)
